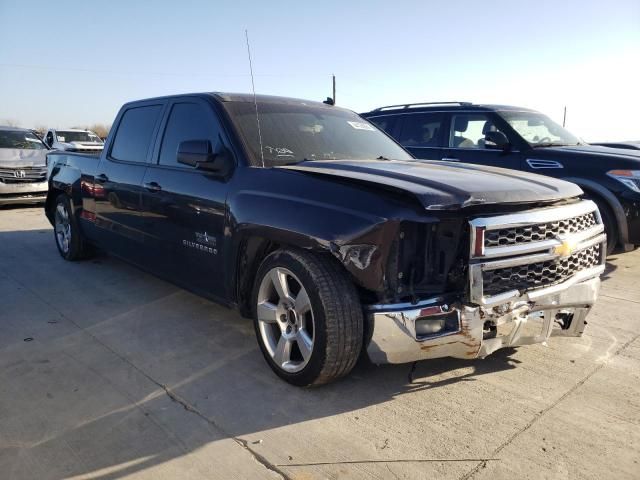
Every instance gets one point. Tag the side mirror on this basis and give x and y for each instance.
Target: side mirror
(200, 154)
(496, 140)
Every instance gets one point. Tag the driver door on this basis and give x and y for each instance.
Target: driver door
(183, 208)
(466, 142)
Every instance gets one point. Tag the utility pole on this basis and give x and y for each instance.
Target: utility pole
(564, 117)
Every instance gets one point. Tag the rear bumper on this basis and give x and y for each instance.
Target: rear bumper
(476, 331)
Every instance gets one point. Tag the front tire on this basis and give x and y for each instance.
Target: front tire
(307, 317)
(69, 240)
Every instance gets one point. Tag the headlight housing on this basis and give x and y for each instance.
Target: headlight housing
(629, 178)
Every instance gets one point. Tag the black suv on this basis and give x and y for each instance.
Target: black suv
(522, 139)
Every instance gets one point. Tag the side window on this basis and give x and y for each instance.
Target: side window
(385, 123)
(421, 130)
(468, 130)
(187, 121)
(135, 133)
(49, 139)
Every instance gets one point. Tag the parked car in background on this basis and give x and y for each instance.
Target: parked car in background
(23, 171)
(628, 145)
(74, 140)
(525, 140)
(330, 235)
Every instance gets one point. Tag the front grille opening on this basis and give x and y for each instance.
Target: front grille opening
(538, 275)
(23, 175)
(538, 232)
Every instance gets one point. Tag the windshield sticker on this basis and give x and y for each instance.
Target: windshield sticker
(60, 139)
(361, 126)
(279, 151)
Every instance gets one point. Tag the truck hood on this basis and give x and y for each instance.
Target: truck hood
(18, 157)
(447, 185)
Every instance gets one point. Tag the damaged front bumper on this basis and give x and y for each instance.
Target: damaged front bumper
(435, 329)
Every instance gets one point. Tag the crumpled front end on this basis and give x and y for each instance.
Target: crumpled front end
(531, 275)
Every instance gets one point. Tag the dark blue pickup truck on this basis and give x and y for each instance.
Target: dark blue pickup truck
(326, 232)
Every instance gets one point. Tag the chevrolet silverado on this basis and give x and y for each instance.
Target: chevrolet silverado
(320, 227)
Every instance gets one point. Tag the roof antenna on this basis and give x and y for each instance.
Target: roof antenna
(332, 100)
(255, 101)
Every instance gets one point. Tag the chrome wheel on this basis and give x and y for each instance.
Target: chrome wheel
(62, 228)
(285, 319)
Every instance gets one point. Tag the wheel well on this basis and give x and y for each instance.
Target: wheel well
(250, 255)
(50, 202)
(601, 200)
(252, 252)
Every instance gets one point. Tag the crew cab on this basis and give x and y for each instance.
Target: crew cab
(326, 232)
(526, 140)
(74, 140)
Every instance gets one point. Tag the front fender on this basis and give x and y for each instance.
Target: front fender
(360, 241)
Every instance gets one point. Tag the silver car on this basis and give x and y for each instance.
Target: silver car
(23, 169)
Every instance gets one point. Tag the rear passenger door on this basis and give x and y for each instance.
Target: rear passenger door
(465, 141)
(118, 180)
(422, 133)
(184, 207)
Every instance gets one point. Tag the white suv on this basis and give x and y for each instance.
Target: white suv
(74, 140)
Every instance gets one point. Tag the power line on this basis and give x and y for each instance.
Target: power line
(168, 74)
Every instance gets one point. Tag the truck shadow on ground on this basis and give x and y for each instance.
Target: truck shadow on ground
(157, 345)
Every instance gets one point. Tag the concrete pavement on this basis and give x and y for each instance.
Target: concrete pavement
(107, 372)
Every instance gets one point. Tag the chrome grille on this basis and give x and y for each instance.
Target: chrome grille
(537, 275)
(512, 254)
(23, 174)
(539, 231)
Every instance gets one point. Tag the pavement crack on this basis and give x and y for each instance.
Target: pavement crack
(171, 394)
(543, 412)
(391, 460)
(618, 298)
(243, 443)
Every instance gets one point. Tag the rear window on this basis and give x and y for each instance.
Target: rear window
(22, 140)
(135, 133)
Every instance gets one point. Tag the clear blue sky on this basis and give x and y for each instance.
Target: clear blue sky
(69, 63)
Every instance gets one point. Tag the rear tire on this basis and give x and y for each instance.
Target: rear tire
(307, 317)
(69, 239)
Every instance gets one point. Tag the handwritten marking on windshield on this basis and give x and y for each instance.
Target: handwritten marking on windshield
(361, 126)
(279, 151)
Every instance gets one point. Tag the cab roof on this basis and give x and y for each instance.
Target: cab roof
(230, 97)
(447, 106)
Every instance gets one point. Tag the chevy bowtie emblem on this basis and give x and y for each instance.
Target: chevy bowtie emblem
(566, 249)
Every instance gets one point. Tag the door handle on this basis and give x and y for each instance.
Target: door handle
(152, 186)
(102, 178)
(450, 159)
